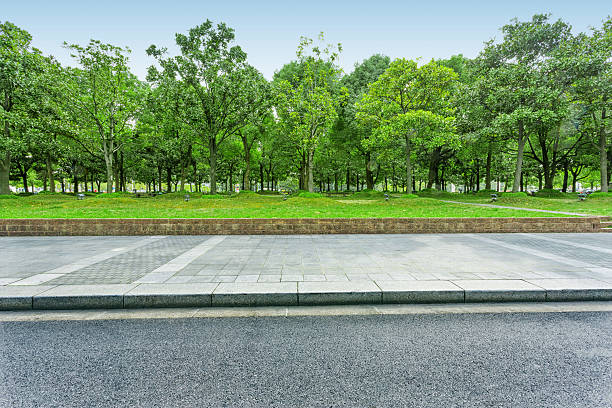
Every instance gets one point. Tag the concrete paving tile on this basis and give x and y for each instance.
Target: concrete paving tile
(327, 293)
(434, 291)
(501, 290)
(269, 278)
(314, 278)
(170, 295)
(82, 297)
(574, 289)
(255, 294)
(6, 281)
(292, 278)
(247, 278)
(20, 297)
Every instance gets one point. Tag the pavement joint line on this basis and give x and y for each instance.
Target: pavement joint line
(535, 252)
(516, 208)
(167, 270)
(299, 311)
(574, 244)
(82, 263)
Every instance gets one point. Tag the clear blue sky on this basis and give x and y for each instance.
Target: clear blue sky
(269, 30)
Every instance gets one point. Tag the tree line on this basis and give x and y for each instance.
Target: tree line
(533, 108)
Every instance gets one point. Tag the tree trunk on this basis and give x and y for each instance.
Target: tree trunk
(408, 163)
(565, 177)
(603, 160)
(108, 159)
(488, 167)
(369, 174)
(348, 177)
(24, 177)
(247, 162)
(182, 181)
(310, 164)
(50, 173)
(169, 179)
(519, 158)
(212, 160)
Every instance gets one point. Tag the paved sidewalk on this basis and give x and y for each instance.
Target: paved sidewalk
(199, 271)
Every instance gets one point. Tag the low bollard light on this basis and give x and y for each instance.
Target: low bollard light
(80, 196)
(386, 197)
(186, 197)
(493, 197)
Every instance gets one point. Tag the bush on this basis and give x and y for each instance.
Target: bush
(485, 193)
(214, 196)
(368, 194)
(8, 196)
(599, 194)
(519, 194)
(245, 194)
(432, 192)
(307, 194)
(550, 193)
(113, 195)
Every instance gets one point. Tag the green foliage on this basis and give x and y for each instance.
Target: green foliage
(518, 194)
(307, 194)
(551, 193)
(600, 195)
(368, 194)
(8, 196)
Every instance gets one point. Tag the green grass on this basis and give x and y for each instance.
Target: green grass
(597, 204)
(250, 205)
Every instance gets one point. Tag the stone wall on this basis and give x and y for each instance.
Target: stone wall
(237, 226)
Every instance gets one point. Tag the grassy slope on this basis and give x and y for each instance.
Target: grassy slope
(242, 206)
(591, 206)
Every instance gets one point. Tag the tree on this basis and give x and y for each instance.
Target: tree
(19, 66)
(103, 97)
(225, 90)
(412, 104)
(351, 132)
(587, 63)
(521, 95)
(307, 106)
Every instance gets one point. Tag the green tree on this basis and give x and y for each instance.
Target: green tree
(19, 67)
(411, 104)
(307, 105)
(103, 97)
(225, 90)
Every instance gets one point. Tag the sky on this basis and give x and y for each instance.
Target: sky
(269, 31)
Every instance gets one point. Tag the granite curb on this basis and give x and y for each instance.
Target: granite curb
(46, 297)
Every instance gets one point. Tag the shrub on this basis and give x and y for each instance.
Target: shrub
(485, 193)
(214, 196)
(550, 193)
(113, 195)
(368, 194)
(600, 194)
(8, 196)
(519, 194)
(307, 194)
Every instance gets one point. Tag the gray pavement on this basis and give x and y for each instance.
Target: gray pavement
(183, 271)
(406, 360)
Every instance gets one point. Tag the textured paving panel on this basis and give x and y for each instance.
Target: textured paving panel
(130, 266)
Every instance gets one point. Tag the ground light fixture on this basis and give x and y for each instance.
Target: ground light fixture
(80, 196)
(186, 197)
(493, 197)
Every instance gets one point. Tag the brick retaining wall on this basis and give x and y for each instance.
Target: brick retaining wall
(237, 226)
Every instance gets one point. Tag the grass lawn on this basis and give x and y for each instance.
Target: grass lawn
(251, 205)
(591, 206)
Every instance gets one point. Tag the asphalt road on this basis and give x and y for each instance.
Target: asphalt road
(446, 360)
